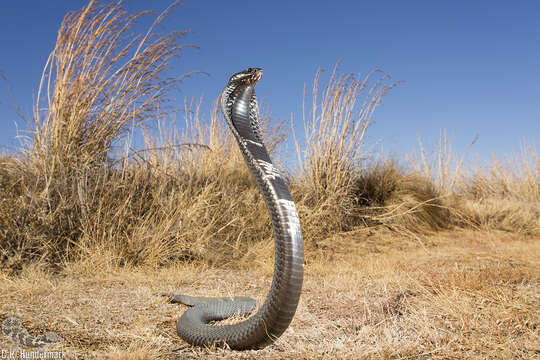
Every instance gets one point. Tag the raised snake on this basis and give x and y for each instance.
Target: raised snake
(239, 106)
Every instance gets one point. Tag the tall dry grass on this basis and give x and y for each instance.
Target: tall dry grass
(187, 194)
(504, 194)
(499, 194)
(335, 127)
(100, 80)
(341, 190)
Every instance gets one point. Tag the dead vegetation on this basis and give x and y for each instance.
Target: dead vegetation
(466, 294)
(430, 256)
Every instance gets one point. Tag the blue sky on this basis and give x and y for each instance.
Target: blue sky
(470, 67)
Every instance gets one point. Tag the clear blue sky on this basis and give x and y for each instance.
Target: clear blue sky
(471, 67)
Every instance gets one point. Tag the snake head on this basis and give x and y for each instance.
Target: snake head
(248, 77)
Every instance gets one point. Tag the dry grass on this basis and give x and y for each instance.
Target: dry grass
(461, 295)
(505, 194)
(99, 81)
(394, 268)
(502, 194)
(340, 114)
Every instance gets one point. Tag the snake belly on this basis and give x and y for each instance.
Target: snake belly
(239, 106)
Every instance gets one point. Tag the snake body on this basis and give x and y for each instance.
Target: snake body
(13, 329)
(239, 106)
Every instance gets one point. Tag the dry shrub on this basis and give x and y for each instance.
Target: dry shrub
(443, 166)
(504, 194)
(99, 80)
(337, 189)
(330, 163)
(403, 200)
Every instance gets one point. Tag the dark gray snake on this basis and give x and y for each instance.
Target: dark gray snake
(239, 107)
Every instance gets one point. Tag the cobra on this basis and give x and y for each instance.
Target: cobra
(239, 106)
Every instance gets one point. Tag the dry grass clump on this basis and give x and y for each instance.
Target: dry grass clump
(339, 190)
(505, 194)
(99, 80)
(389, 195)
(334, 131)
(184, 203)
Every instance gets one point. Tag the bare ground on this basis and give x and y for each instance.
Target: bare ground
(454, 295)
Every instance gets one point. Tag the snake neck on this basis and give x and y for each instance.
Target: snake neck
(239, 106)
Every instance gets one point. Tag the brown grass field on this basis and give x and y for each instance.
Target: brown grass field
(431, 256)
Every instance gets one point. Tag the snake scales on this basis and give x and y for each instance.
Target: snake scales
(13, 329)
(239, 106)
